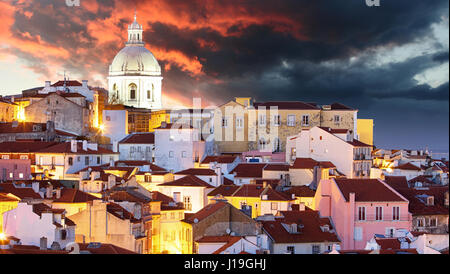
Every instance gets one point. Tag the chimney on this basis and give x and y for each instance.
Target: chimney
(84, 145)
(35, 186)
(301, 207)
(111, 162)
(73, 145)
(114, 146)
(49, 192)
(47, 84)
(43, 243)
(84, 83)
(58, 193)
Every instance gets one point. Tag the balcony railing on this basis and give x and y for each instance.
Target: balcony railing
(385, 218)
(362, 157)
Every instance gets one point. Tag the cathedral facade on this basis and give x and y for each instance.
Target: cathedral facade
(134, 75)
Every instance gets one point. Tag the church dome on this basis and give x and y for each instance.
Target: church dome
(134, 60)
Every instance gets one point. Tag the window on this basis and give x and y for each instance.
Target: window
(420, 222)
(239, 122)
(170, 154)
(291, 120)
(337, 119)
(78, 159)
(183, 154)
(132, 88)
(86, 160)
(23, 157)
(149, 96)
(378, 213)
(21, 175)
(274, 206)
(276, 120)
(433, 221)
(108, 118)
(361, 213)
(305, 120)
(224, 122)
(291, 249)
(70, 161)
(5, 157)
(315, 249)
(177, 197)
(396, 213)
(187, 203)
(262, 120)
(276, 145)
(98, 160)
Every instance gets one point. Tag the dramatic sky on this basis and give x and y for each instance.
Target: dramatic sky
(390, 62)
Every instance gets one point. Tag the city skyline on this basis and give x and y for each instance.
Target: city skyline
(389, 62)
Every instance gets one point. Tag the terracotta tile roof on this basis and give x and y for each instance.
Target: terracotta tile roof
(126, 194)
(103, 248)
(304, 163)
(64, 133)
(189, 180)
(221, 159)
(21, 192)
(43, 208)
(286, 105)
(120, 212)
(367, 190)
(417, 206)
(388, 243)
(228, 182)
(224, 190)
(176, 126)
(335, 130)
(396, 182)
(137, 163)
(69, 83)
(21, 127)
(66, 148)
(250, 190)
(357, 143)
(205, 212)
(158, 196)
(70, 195)
(5, 198)
(249, 170)
(277, 167)
(339, 106)
(24, 146)
(139, 138)
(425, 179)
(197, 171)
(272, 182)
(355, 251)
(226, 239)
(19, 249)
(408, 166)
(399, 251)
(310, 231)
(301, 191)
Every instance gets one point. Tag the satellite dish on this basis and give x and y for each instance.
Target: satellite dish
(228, 231)
(195, 220)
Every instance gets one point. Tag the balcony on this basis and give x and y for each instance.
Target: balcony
(385, 218)
(357, 157)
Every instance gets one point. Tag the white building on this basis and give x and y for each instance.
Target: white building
(137, 146)
(70, 86)
(177, 147)
(350, 156)
(31, 222)
(134, 74)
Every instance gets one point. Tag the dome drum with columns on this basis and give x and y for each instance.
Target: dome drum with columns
(134, 74)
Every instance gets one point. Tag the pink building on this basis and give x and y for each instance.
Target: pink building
(361, 208)
(15, 169)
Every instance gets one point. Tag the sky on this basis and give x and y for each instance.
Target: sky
(391, 62)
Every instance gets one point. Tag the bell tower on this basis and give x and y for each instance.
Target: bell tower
(135, 31)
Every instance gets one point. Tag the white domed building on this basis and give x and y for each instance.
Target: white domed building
(134, 74)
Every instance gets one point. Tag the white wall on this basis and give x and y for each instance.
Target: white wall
(117, 126)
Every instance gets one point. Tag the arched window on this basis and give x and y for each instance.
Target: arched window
(132, 90)
(276, 145)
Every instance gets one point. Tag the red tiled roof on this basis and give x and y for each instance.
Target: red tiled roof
(250, 190)
(158, 196)
(120, 212)
(197, 171)
(224, 190)
(339, 106)
(21, 192)
(396, 181)
(205, 212)
(272, 182)
(304, 163)
(422, 179)
(20, 249)
(24, 146)
(335, 130)
(70, 195)
(139, 138)
(418, 207)
(188, 180)
(137, 163)
(286, 105)
(408, 166)
(69, 83)
(5, 198)
(367, 190)
(277, 167)
(301, 191)
(105, 249)
(249, 170)
(21, 127)
(64, 133)
(309, 233)
(399, 251)
(43, 208)
(357, 143)
(226, 239)
(221, 159)
(66, 148)
(177, 126)
(388, 243)
(227, 182)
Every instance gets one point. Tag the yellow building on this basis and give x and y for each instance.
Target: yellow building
(7, 202)
(8, 110)
(173, 238)
(303, 195)
(157, 117)
(365, 130)
(254, 199)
